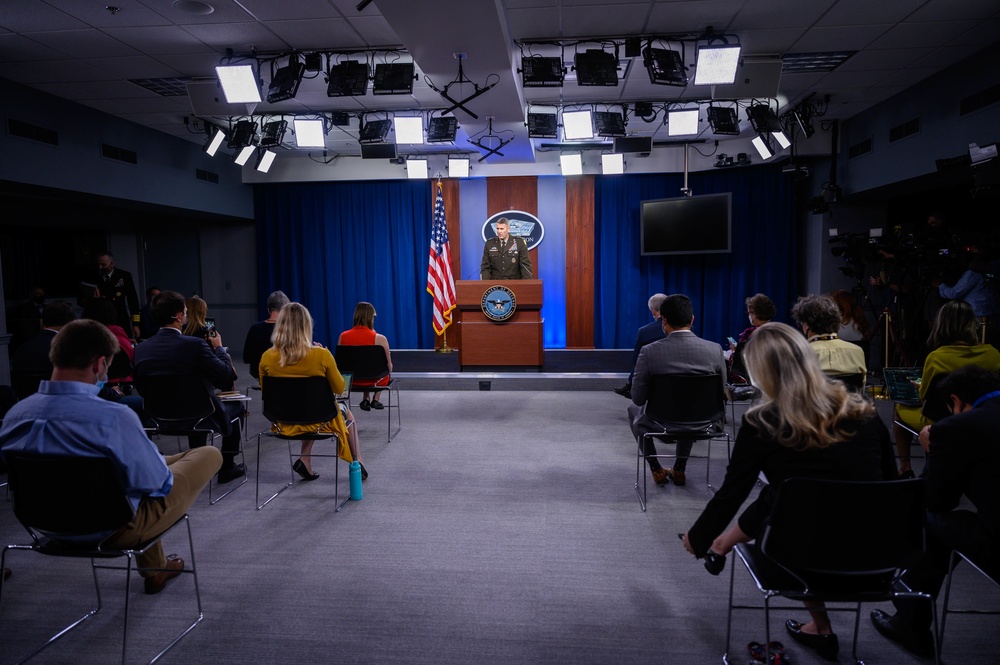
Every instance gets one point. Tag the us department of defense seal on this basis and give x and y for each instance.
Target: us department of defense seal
(498, 303)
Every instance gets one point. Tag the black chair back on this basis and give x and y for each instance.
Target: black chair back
(366, 363)
(298, 400)
(686, 398)
(67, 495)
(837, 527)
(854, 383)
(176, 402)
(120, 367)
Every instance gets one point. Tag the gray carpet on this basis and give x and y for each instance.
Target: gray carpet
(497, 527)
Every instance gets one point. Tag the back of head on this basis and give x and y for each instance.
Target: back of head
(57, 314)
(166, 307)
(805, 407)
(677, 310)
(276, 301)
(955, 323)
(80, 342)
(292, 334)
(969, 383)
(820, 313)
(101, 310)
(197, 311)
(655, 301)
(364, 315)
(761, 307)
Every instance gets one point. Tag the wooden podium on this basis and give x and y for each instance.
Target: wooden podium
(514, 342)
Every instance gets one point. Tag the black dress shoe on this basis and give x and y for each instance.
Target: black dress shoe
(365, 405)
(230, 473)
(919, 642)
(624, 391)
(378, 406)
(301, 469)
(364, 472)
(827, 646)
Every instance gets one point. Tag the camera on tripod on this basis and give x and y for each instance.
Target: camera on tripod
(856, 249)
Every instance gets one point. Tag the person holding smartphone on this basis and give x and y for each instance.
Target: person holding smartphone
(760, 310)
(199, 325)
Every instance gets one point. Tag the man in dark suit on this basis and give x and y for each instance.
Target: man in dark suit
(682, 352)
(648, 333)
(171, 353)
(505, 257)
(32, 357)
(962, 458)
(117, 286)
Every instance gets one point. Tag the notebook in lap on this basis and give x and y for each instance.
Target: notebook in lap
(343, 396)
(899, 384)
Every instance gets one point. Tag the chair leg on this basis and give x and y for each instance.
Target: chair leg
(729, 613)
(640, 464)
(212, 501)
(336, 487)
(388, 411)
(287, 485)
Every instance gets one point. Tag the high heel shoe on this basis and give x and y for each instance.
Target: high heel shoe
(364, 472)
(301, 469)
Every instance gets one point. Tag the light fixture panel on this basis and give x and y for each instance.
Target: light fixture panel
(273, 133)
(285, 82)
(578, 125)
(347, 79)
(609, 123)
(374, 131)
(244, 155)
(395, 78)
(458, 167)
(763, 149)
(723, 120)
(571, 164)
(442, 129)
(543, 126)
(612, 163)
(664, 67)
(416, 169)
(244, 134)
(239, 83)
(409, 130)
(716, 65)
(309, 133)
(214, 141)
(542, 72)
(763, 118)
(682, 123)
(595, 67)
(265, 159)
(782, 139)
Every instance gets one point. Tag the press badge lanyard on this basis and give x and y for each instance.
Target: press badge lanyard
(987, 396)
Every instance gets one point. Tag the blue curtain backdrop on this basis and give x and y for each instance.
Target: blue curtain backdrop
(762, 258)
(330, 245)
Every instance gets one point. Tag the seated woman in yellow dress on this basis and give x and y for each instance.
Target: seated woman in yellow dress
(294, 354)
(955, 341)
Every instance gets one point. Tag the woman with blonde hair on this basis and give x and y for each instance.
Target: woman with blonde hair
(197, 312)
(294, 354)
(363, 334)
(807, 426)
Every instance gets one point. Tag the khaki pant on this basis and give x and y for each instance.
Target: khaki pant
(192, 471)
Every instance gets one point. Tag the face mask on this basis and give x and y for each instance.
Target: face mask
(104, 271)
(100, 384)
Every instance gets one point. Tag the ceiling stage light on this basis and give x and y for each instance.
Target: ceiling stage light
(596, 67)
(542, 72)
(244, 154)
(571, 164)
(273, 133)
(609, 123)
(416, 168)
(764, 120)
(309, 133)
(214, 141)
(682, 123)
(285, 81)
(374, 131)
(442, 129)
(239, 83)
(244, 134)
(664, 67)
(458, 167)
(347, 79)
(409, 130)
(265, 159)
(763, 146)
(578, 125)
(723, 120)
(612, 163)
(716, 65)
(543, 126)
(393, 79)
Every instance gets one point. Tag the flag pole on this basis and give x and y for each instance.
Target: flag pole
(444, 348)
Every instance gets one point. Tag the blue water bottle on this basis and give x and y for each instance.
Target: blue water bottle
(356, 494)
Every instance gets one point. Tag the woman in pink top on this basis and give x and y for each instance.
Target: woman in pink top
(363, 334)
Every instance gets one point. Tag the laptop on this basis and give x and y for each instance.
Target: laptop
(899, 382)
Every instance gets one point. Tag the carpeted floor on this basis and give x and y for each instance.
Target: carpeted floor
(497, 527)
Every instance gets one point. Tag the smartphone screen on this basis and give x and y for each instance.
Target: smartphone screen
(731, 341)
(210, 325)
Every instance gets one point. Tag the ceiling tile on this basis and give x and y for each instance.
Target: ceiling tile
(911, 76)
(533, 22)
(694, 16)
(769, 42)
(96, 90)
(226, 11)
(158, 39)
(982, 33)
(133, 67)
(83, 43)
(779, 14)
(883, 59)
(16, 48)
(241, 37)
(854, 12)
(582, 21)
(375, 31)
(818, 40)
(95, 13)
(328, 33)
(269, 10)
(21, 16)
(194, 64)
(839, 79)
(947, 55)
(55, 71)
(924, 34)
(140, 105)
(953, 10)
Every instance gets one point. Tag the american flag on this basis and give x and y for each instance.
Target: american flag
(440, 283)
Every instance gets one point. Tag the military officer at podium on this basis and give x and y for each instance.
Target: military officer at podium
(505, 257)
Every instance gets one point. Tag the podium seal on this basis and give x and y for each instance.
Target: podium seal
(498, 303)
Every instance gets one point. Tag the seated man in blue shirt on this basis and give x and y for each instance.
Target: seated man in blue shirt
(66, 417)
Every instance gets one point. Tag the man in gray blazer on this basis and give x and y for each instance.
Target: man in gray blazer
(681, 352)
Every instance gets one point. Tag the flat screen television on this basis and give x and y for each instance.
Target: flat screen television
(687, 225)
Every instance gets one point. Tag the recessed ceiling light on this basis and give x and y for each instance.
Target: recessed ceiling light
(193, 7)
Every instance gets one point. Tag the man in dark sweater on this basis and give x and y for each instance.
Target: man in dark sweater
(962, 458)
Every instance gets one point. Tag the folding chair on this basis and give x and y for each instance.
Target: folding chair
(679, 399)
(61, 500)
(299, 401)
(834, 541)
(181, 406)
(854, 383)
(956, 558)
(369, 364)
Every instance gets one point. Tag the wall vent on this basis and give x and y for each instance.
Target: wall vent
(26, 130)
(207, 176)
(979, 100)
(860, 148)
(120, 154)
(901, 131)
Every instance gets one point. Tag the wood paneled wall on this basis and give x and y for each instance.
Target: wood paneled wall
(580, 262)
